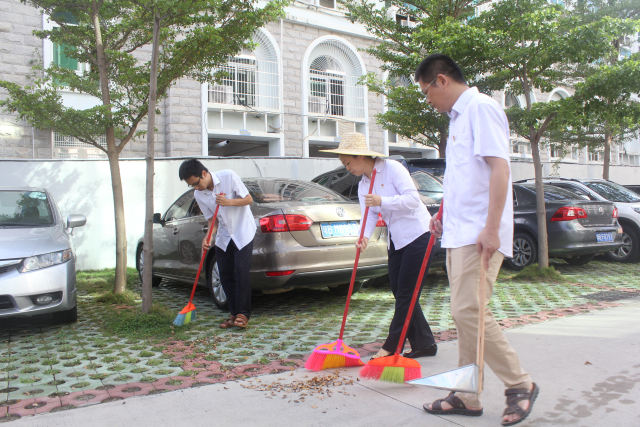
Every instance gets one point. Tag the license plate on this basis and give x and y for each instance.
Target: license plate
(604, 237)
(339, 229)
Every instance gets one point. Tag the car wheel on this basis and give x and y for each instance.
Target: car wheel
(579, 260)
(342, 290)
(630, 248)
(215, 285)
(68, 316)
(525, 252)
(155, 280)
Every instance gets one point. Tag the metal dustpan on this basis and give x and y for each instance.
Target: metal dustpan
(463, 379)
(467, 378)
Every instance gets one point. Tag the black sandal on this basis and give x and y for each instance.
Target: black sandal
(515, 395)
(457, 407)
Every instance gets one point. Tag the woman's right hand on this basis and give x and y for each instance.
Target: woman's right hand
(206, 245)
(362, 244)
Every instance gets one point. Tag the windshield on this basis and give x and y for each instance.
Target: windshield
(24, 208)
(284, 190)
(428, 187)
(613, 192)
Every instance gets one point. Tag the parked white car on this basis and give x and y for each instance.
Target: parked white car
(37, 263)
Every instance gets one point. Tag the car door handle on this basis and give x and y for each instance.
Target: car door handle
(205, 228)
(176, 230)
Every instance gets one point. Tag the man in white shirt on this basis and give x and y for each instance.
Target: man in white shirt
(235, 229)
(477, 229)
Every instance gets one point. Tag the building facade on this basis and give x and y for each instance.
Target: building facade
(294, 94)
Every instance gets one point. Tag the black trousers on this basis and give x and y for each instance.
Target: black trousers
(234, 265)
(404, 268)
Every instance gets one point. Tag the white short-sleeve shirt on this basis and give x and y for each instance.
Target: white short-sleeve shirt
(234, 222)
(406, 216)
(478, 128)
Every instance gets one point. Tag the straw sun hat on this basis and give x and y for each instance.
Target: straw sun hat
(354, 144)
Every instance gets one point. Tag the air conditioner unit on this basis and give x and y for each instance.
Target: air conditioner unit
(317, 104)
(408, 23)
(221, 94)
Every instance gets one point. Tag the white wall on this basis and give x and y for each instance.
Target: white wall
(84, 187)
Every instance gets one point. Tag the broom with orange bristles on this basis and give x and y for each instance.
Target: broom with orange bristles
(396, 368)
(337, 354)
(188, 313)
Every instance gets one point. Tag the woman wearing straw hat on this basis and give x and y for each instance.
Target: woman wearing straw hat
(396, 199)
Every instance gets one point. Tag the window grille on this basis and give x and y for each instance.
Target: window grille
(250, 79)
(333, 86)
(69, 147)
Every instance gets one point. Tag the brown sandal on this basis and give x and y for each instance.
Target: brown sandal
(241, 321)
(515, 395)
(228, 323)
(457, 407)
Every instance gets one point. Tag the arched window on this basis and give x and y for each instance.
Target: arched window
(251, 78)
(333, 87)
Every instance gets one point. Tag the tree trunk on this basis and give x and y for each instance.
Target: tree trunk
(120, 283)
(541, 213)
(113, 154)
(147, 297)
(442, 144)
(607, 154)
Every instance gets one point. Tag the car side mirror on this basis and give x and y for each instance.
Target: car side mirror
(76, 221)
(157, 219)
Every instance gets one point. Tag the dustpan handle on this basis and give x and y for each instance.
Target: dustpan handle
(481, 312)
(355, 264)
(414, 297)
(204, 254)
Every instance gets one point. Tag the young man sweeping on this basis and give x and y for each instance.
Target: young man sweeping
(235, 229)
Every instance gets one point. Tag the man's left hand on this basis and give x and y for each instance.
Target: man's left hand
(221, 199)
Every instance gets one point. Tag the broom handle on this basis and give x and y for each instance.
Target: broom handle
(204, 254)
(355, 264)
(414, 297)
(481, 306)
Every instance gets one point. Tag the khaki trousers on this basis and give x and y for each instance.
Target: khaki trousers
(463, 267)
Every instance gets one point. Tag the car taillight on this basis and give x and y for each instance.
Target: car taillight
(278, 273)
(568, 213)
(279, 223)
(380, 222)
(615, 212)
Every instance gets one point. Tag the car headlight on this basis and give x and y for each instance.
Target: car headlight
(45, 260)
(637, 210)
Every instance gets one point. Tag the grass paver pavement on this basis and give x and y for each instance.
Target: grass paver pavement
(46, 367)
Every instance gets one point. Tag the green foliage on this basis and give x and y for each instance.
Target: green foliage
(132, 323)
(534, 273)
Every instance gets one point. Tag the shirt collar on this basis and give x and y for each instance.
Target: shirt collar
(462, 102)
(378, 165)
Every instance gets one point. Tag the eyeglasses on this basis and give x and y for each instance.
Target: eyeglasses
(195, 184)
(425, 90)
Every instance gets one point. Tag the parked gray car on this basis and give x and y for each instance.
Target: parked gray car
(37, 262)
(627, 202)
(577, 229)
(305, 237)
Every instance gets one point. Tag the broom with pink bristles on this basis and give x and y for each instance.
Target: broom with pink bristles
(397, 368)
(337, 354)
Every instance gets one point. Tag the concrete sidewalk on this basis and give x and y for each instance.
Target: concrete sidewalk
(587, 367)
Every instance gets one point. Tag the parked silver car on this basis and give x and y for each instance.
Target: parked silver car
(37, 263)
(305, 238)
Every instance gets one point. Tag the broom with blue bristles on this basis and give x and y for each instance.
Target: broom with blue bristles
(188, 313)
(337, 354)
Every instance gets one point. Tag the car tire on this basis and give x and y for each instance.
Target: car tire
(68, 316)
(343, 290)
(525, 252)
(215, 285)
(630, 249)
(579, 260)
(155, 280)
